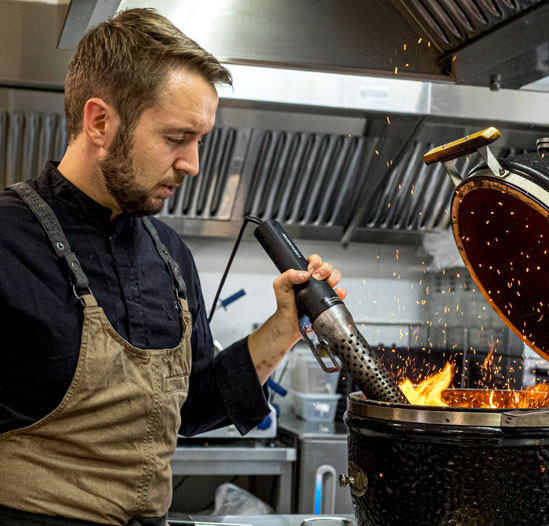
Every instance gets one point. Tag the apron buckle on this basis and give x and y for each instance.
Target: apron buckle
(82, 296)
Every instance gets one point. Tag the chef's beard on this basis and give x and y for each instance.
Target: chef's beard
(119, 173)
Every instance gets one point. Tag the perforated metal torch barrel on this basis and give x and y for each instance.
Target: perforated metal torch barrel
(335, 326)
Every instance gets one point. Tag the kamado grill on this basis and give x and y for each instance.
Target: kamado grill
(461, 457)
(482, 459)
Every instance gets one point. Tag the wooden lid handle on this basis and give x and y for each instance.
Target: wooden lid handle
(463, 146)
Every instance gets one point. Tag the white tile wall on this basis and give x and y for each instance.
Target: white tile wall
(382, 283)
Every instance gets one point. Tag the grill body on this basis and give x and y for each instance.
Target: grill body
(429, 466)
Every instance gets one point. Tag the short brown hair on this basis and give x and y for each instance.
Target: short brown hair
(124, 61)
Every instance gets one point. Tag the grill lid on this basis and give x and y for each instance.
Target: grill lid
(500, 221)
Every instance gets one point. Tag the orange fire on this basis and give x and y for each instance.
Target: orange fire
(429, 392)
(434, 391)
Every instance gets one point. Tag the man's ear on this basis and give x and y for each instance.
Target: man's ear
(100, 123)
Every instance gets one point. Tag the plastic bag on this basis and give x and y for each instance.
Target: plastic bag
(232, 500)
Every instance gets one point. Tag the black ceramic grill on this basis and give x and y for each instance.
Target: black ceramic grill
(430, 466)
(463, 466)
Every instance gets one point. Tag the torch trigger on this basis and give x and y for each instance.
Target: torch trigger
(305, 327)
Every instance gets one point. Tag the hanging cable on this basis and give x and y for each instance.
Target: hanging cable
(247, 219)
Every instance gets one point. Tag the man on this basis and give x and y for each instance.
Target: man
(106, 351)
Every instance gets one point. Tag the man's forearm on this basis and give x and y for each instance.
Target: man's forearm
(270, 343)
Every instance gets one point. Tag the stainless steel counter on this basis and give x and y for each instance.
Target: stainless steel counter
(237, 459)
(277, 520)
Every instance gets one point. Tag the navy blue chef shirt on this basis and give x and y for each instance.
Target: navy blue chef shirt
(41, 319)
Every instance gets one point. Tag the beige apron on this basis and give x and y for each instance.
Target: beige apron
(103, 455)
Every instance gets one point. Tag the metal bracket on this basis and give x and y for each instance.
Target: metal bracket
(536, 418)
(492, 163)
(305, 327)
(453, 172)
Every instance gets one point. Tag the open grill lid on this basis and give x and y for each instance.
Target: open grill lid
(500, 222)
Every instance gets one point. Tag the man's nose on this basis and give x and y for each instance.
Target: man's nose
(187, 162)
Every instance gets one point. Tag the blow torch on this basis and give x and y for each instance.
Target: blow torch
(321, 310)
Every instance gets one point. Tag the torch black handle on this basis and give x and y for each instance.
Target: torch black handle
(312, 297)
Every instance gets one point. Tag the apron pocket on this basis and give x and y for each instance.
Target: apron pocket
(176, 384)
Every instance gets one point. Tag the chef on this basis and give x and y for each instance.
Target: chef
(106, 352)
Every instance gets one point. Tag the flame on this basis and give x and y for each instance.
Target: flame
(491, 400)
(429, 391)
(433, 391)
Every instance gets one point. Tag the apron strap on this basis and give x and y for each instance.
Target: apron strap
(55, 233)
(177, 279)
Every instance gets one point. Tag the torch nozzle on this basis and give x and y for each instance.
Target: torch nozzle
(336, 328)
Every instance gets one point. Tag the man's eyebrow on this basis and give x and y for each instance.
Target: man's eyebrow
(183, 131)
(178, 129)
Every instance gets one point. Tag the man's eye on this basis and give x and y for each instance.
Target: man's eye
(176, 140)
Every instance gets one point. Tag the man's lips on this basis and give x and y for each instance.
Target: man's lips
(166, 191)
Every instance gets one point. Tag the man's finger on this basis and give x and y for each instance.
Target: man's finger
(323, 271)
(288, 279)
(314, 262)
(334, 277)
(341, 292)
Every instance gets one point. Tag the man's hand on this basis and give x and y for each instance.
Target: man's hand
(280, 332)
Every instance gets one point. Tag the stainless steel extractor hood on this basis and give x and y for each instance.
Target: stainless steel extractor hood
(345, 163)
(498, 43)
(325, 127)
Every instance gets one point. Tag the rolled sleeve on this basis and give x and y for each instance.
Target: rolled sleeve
(241, 391)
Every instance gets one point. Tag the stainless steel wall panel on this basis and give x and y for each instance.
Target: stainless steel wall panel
(14, 153)
(333, 179)
(291, 177)
(304, 175)
(319, 174)
(27, 140)
(29, 152)
(345, 185)
(326, 91)
(3, 146)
